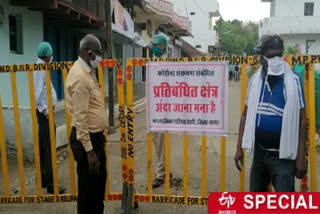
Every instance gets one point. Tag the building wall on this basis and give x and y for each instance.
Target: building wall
(32, 28)
(288, 20)
(141, 18)
(301, 41)
(290, 25)
(201, 21)
(32, 35)
(287, 17)
(273, 9)
(294, 7)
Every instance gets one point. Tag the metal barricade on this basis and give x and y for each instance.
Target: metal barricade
(127, 136)
(253, 61)
(24, 197)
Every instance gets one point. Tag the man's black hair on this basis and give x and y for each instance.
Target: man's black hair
(271, 42)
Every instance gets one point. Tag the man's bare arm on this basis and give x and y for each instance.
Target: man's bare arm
(238, 159)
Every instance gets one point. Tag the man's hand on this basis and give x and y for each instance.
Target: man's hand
(238, 159)
(47, 115)
(301, 168)
(93, 162)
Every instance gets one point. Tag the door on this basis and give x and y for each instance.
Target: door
(52, 36)
(65, 43)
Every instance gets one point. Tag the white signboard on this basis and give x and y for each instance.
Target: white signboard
(187, 97)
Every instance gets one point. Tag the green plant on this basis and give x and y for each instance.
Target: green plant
(289, 50)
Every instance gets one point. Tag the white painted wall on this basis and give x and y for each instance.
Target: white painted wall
(301, 41)
(290, 25)
(201, 22)
(182, 6)
(32, 36)
(287, 17)
(272, 9)
(288, 20)
(294, 7)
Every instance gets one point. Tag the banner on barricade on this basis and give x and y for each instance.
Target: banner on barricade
(187, 97)
(246, 203)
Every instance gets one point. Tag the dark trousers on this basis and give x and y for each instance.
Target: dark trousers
(45, 150)
(91, 188)
(230, 75)
(267, 167)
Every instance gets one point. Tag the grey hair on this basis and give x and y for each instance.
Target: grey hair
(86, 42)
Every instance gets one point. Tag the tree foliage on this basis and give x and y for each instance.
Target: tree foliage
(291, 50)
(237, 37)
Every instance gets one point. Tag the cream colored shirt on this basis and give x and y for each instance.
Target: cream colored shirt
(84, 102)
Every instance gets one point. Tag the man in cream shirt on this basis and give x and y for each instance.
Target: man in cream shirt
(87, 110)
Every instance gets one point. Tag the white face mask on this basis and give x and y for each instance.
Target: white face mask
(95, 63)
(276, 66)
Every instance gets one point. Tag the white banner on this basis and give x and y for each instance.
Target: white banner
(187, 97)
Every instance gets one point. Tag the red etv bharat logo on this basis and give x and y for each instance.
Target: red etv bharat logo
(227, 200)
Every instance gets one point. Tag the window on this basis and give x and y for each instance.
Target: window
(198, 46)
(309, 44)
(15, 34)
(1, 15)
(211, 49)
(308, 8)
(192, 13)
